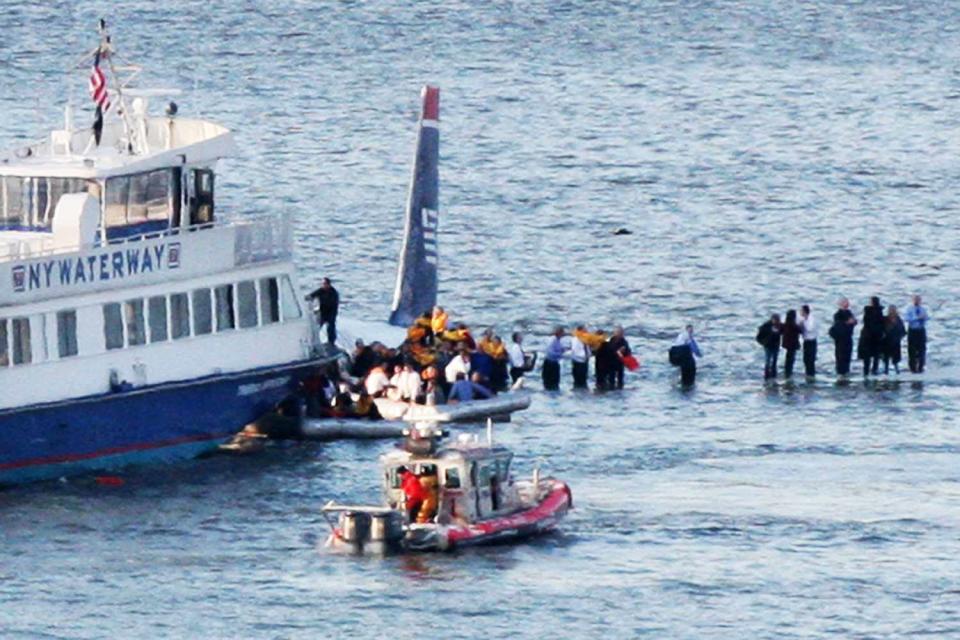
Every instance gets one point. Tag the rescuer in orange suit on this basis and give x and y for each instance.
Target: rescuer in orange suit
(431, 496)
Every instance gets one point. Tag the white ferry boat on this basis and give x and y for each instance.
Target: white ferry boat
(137, 321)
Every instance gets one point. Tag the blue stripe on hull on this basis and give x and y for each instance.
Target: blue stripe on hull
(151, 424)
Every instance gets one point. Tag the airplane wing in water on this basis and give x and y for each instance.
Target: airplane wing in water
(416, 288)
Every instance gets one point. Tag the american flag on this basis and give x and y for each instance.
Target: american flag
(98, 85)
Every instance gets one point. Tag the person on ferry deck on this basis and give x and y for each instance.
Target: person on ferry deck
(791, 341)
(518, 359)
(916, 317)
(809, 330)
(556, 349)
(620, 346)
(580, 359)
(328, 303)
(465, 390)
(870, 346)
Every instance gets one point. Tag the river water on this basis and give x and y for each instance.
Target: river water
(763, 154)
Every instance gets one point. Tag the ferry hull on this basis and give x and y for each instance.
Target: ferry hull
(155, 424)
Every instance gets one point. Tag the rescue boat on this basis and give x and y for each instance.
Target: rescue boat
(474, 499)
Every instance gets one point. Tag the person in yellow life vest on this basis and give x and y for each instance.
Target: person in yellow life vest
(422, 354)
(485, 343)
(416, 334)
(438, 321)
(425, 324)
(431, 495)
(501, 360)
(592, 340)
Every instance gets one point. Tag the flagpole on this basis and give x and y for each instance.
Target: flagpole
(106, 49)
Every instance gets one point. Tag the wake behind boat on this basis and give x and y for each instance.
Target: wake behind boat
(134, 316)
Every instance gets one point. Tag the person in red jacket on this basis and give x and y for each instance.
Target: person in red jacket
(412, 491)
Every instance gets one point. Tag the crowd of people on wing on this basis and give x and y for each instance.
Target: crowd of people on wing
(881, 338)
(439, 362)
(611, 354)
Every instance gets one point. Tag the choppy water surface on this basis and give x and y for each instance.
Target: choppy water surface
(763, 156)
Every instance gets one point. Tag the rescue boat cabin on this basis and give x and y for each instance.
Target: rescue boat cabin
(474, 479)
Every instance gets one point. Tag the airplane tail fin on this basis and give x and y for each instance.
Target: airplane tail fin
(416, 288)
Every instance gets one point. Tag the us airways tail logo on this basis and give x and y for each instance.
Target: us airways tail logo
(119, 264)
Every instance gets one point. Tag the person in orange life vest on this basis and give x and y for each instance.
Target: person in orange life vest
(431, 494)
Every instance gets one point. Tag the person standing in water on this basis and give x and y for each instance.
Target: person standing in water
(683, 354)
(768, 335)
(809, 330)
(870, 346)
(619, 344)
(556, 349)
(892, 337)
(842, 333)
(917, 317)
(580, 359)
(791, 341)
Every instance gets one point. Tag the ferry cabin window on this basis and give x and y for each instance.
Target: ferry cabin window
(67, 333)
(112, 326)
(179, 316)
(143, 197)
(289, 302)
(4, 348)
(201, 198)
(20, 336)
(247, 304)
(202, 312)
(136, 327)
(29, 203)
(224, 298)
(269, 300)
(157, 314)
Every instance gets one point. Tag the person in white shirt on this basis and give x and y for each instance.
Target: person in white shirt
(409, 384)
(809, 332)
(377, 382)
(580, 358)
(460, 363)
(517, 357)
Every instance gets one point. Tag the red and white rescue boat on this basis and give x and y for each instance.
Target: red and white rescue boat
(440, 498)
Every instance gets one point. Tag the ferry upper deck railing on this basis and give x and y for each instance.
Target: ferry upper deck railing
(259, 238)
